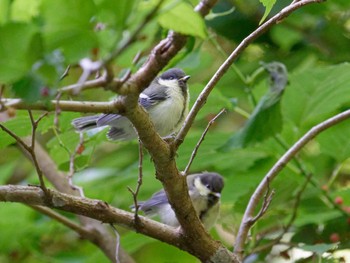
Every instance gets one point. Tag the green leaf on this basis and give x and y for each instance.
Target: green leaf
(268, 6)
(213, 15)
(29, 88)
(115, 11)
(68, 26)
(183, 19)
(20, 50)
(4, 11)
(319, 249)
(315, 94)
(24, 10)
(335, 141)
(266, 119)
(20, 125)
(285, 37)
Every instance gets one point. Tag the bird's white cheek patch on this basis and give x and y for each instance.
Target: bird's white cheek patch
(202, 189)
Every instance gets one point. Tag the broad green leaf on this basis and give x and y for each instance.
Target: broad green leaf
(335, 141)
(68, 26)
(315, 94)
(285, 37)
(24, 10)
(19, 52)
(29, 88)
(183, 19)
(4, 11)
(319, 248)
(268, 4)
(266, 119)
(208, 157)
(20, 125)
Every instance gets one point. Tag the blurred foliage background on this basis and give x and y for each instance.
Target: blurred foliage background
(40, 38)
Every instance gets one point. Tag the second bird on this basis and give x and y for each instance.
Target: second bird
(166, 100)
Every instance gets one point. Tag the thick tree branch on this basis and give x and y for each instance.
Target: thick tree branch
(95, 209)
(228, 62)
(115, 106)
(279, 165)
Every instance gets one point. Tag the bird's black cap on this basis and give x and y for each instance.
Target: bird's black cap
(213, 181)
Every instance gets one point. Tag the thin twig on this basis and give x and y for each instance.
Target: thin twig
(275, 170)
(30, 148)
(290, 222)
(139, 181)
(65, 73)
(266, 203)
(71, 165)
(202, 98)
(89, 84)
(71, 160)
(195, 150)
(57, 110)
(117, 243)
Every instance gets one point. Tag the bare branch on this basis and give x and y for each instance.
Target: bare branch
(75, 106)
(226, 65)
(90, 84)
(290, 222)
(195, 150)
(266, 203)
(88, 207)
(139, 183)
(274, 171)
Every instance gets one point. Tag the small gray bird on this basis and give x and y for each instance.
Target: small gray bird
(166, 100)
(205, 192)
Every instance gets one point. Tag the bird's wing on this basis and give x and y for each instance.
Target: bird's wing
(108, 119)
(152, 95)
(158, 198)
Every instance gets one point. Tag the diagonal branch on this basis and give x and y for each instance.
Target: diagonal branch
(201, 139)
(275, 170)
(227, 64)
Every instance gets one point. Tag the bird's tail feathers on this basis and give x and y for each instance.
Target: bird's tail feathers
(85, 123)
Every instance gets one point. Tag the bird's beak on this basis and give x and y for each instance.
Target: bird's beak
(218, 195)
(185, 78)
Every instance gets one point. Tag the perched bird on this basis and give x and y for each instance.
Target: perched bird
(166, 100)
(205, 192)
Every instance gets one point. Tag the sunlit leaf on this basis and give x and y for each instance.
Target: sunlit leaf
(183, 19)
(268, 4)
